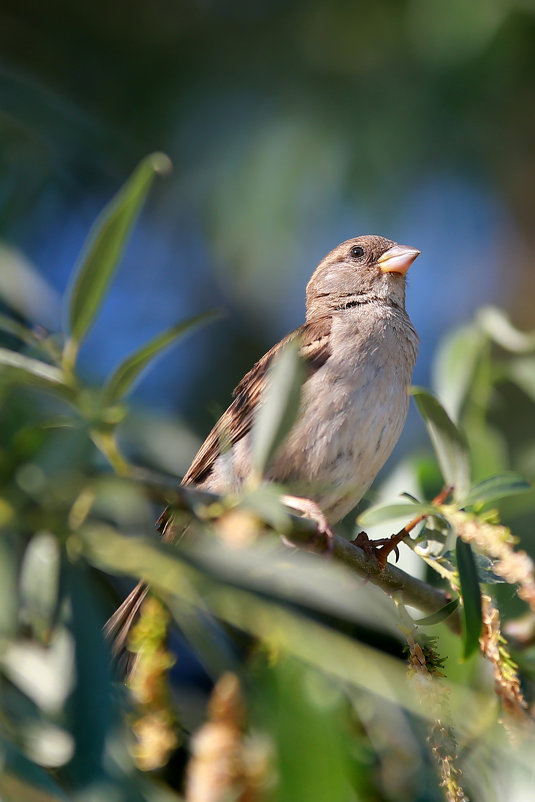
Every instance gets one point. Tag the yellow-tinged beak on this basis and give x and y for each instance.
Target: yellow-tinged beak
(397, 259)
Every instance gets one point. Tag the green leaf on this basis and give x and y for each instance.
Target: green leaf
(22, 779)
(279, 407)
(448, 441)
(378, 514)
(455, 364)
(521, 371)
(105, 244)
(26, 370)
(307, 716)
(8, 586)
(89, 722)
(39, 582)
(128, 371)
(17, 330)
(471, 594)
(497, 487)
(439, 616)
(499, 328)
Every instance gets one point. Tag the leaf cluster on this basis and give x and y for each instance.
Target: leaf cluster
(304, 665)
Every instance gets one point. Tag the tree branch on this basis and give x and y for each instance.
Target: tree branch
(303, 532)
(392, 580)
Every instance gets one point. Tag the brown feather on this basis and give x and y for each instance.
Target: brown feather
(237, 420)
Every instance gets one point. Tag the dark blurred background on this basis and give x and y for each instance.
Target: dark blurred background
(291, 126)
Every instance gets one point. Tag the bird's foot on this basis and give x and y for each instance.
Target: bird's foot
(309, 509)
(381, 548)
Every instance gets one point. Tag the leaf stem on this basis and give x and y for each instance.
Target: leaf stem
(106, 443)
(70, 355)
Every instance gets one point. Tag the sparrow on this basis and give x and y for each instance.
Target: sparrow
(359, 349)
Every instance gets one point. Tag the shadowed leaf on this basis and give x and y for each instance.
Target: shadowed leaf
(471, 593)
(439, 616)
(21, 779)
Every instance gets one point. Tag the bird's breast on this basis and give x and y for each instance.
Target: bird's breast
(352, 413)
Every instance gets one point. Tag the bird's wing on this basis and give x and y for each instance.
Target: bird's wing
(237, 420)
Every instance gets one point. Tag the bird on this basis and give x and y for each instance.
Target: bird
(359, 349)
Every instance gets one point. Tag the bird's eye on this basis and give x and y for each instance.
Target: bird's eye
(357, 251)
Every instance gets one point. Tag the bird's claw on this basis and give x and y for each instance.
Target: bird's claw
(381, 548)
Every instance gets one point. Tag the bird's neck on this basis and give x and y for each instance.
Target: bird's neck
(321, 305)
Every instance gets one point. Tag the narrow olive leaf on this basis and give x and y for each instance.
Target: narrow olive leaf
(455, 364)
(471, 594)
(499, 328)
(279, 406)
(26, 370)
(448, 441)
(105, 243)
(439, 616)
(18, 330)
(392, 512)
(126, 374)
(521, 371)
(497, 487)
(39, 583)
(22, 779)
(410, 497)
(89, 724)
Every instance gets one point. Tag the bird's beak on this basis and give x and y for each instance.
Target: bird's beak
(397, 259)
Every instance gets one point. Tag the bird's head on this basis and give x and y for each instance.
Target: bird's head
(360, 269)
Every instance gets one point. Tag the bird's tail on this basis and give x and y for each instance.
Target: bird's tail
(118, 626)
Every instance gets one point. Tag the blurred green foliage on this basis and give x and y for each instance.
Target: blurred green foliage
(312, 697)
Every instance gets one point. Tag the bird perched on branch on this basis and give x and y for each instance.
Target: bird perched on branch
(359, 348)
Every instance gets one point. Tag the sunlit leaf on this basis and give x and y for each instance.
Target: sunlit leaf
(497, 487)
(129, 371)
(521, 371)
(276, 624)
(262, 568)
(39, 582)
(278, 411)
(499, 328)
(26, 370)
(448, 441)
(43, 673)
(471, 594)
(439, 616)
(392, 512)
(454, 366)
(105, 244)
(21, 779)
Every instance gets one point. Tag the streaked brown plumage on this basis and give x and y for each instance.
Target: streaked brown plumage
(359, 348)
